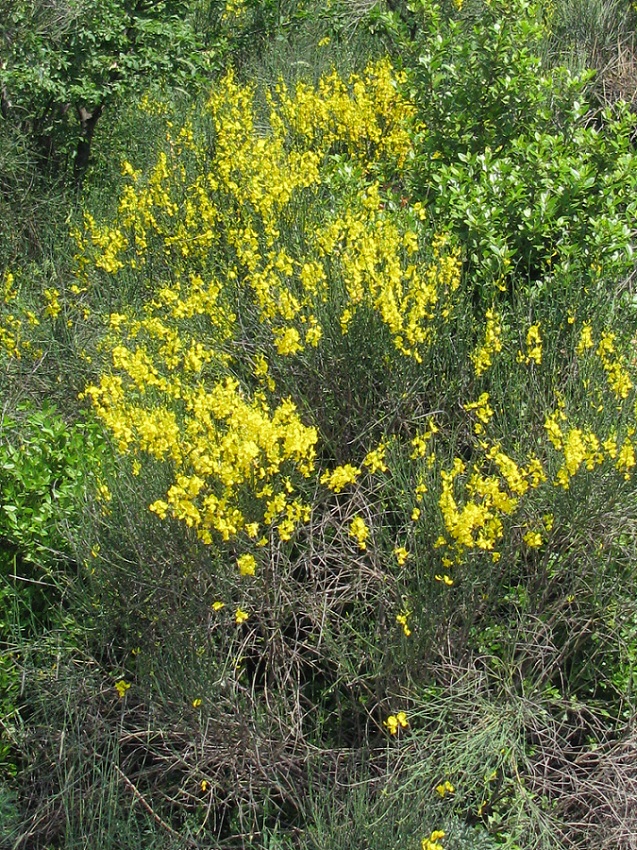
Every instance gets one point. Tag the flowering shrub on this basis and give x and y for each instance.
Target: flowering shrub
(254, 257)
(264, 230)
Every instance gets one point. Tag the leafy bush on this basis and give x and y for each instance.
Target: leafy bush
(46, 468)
(65, 63)
(508, 156)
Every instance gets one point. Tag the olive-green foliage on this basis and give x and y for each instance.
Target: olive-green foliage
(44, 469)
(596, 34)
(384, 819)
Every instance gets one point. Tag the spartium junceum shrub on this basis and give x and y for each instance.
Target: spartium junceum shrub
(380, 457)
(280, 278)
(254, 258)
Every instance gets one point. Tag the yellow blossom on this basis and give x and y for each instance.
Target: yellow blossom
(121, 687)
(445, 579)
(492, 344)
(483, 412)
(395, 722)
(533, 346)
(403, 620)
(445, 788)
(247, 565)
(585, 340)
(626, 458)
(240, 616)
(553, 428)
(420, 442)
(533, 539)
(619, 379)
(401, 555)
(52, 299)
(340, 477)
(375, 459)
(359, 530)
(433, 842)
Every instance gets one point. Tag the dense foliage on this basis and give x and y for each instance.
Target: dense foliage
(330, 539)
(65, 63)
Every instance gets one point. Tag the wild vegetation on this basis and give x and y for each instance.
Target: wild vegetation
(318, 450)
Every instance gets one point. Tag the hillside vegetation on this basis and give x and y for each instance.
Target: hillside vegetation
(318, 448)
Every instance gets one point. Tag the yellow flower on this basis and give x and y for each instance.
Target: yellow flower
(392, 724)
(553, 429)
(217, 606)
(401, 555)
(340, 477)
(483, 356)
(196, 703)
(53, 308)
(445, 579)
(121, 687)
(288, 342)
(618, 378)
(247, 565)
(586, 339)
(483, 412)
(445, 788)
(103, 493)
(433, 842)
(204, 785)
(533, 346)
(533, 539)
(395, 722)
(375, 460)
(402, 619)
(626, 458)
(359, 531)
(421, 441)
(240, 616)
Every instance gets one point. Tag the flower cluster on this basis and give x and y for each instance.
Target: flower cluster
(217, 236)
(433, 841)
(359, 530)
(366, 114)
(478, 500)
(17, 321)
(395, 722)
(492, 343)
